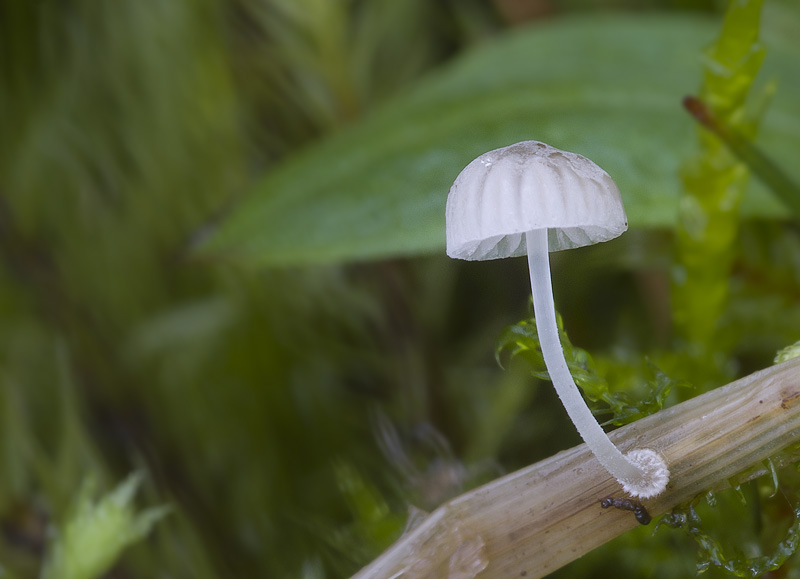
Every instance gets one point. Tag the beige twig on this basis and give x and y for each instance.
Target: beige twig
(533, 521)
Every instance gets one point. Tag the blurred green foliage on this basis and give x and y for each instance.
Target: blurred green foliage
(292, 416)
(96, 533)
(714, 186)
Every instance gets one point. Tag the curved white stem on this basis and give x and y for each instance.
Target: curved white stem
(632, 475)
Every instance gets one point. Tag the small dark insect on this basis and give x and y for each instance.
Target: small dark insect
(639, 511)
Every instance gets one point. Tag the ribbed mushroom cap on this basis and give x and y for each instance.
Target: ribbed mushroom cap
(506, 192)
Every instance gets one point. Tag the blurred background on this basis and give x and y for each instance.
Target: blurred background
(222, 239)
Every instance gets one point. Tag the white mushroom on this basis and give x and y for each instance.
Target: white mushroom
(533, 198)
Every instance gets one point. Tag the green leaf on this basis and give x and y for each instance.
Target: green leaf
(608, 88)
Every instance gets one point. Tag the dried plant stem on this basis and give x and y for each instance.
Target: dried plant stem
(533, 521)
(769, 173)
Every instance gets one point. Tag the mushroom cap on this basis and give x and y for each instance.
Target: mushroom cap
(530, 185)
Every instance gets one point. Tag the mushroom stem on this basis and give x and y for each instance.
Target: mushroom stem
(634, 476)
